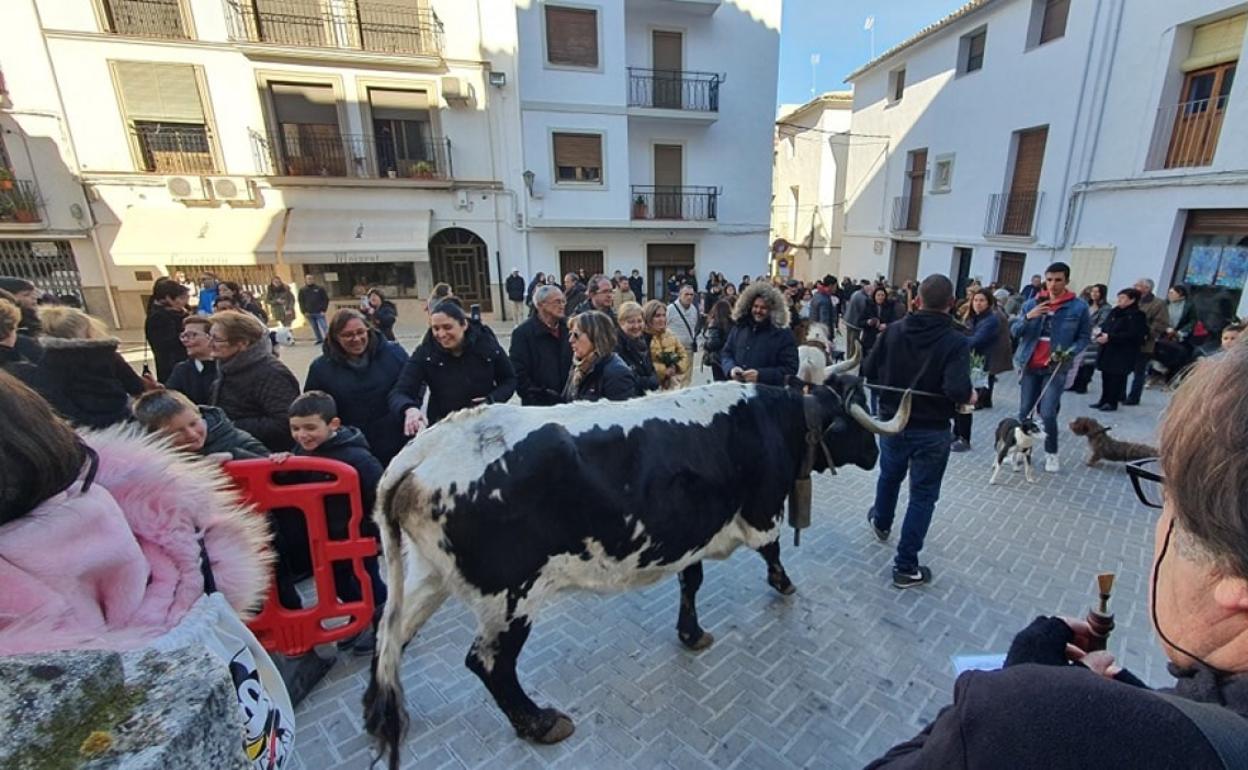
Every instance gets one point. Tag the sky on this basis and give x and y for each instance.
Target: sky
(834, 30)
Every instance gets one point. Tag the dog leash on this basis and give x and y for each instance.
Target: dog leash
(1040, 398)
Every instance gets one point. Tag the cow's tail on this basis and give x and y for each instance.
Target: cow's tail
(385, 715)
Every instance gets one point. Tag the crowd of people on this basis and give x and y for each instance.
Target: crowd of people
(219, 390)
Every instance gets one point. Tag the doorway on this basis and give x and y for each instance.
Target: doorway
(459, 258)
(667, 58)
(961, 269)
(905, 262)
(1010, 269)
(575, 261)
(664, 260)
(668, 179)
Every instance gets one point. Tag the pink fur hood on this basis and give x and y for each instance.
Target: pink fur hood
(117, 564)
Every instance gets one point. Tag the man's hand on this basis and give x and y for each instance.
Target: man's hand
(737, 374)
(150, 383)
(219, 457)
(1040, 309)
(413, 421)
(974, 397)
(750, 375)
(1101, 339)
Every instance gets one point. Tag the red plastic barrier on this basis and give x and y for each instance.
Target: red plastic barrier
(295, 632)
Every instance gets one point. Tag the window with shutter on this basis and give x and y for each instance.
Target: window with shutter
(145, 18)
(578, 157)
(1054, 24)
(897, 84)
(572, 36)
(973, 51)
(165, 116)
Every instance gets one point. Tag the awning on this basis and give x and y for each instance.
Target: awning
(356, 235)
(195, 236)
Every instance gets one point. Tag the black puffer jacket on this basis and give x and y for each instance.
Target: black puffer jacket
(922, 351)
(769, 347)
(255, 390)
(84, 380)
(636, 354)
(481, 370)
(162, 328)
(194, 379)
(610, 379)
(362, 390)
(225, 436)
(541, 360)
(384, 318)
(1127, 328)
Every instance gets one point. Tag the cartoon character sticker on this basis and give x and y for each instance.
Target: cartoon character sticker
(267, 739)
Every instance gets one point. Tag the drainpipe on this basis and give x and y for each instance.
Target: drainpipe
(1078, 119)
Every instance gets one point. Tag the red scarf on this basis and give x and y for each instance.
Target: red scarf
(1044, 346)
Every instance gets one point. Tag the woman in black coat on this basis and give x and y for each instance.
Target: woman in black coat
(253, 388)
(461, 364)
(164, 325)
(1120, 339)
(359, 369)
(633, 346)
(597, 371)
(382, 313)
(880, 312)
(718, 327)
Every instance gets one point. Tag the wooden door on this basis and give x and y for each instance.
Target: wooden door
(459, 258)
(1010, 269)
(916, 173)
(663, 260)
(575, 261)
(667, 53)
(1020, 206)
(1198, 122)
(668, 180)
(905, 262)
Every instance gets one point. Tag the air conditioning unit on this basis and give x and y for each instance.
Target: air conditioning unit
(186, 188)
(455, 90)
(230, 188)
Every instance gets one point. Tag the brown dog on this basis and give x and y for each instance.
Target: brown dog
(1105, 448)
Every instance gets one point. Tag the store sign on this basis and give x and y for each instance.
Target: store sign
(43, 248)
(355, 258)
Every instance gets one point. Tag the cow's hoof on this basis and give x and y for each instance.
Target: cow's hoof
(698, 644)
(782, 584)
(560, 729)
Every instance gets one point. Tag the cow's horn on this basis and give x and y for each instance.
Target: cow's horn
(890, 428)
(849, 364)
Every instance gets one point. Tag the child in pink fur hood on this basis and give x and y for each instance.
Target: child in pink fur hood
(104, 538)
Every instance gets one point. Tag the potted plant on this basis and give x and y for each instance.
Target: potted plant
(25, 206)
(6, 179)
(422, 169)
(639, 207)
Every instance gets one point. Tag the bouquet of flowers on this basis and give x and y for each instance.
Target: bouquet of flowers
(669, 358)
(979, 372)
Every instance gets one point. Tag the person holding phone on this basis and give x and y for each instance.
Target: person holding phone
(461, 365)
(1052, 329)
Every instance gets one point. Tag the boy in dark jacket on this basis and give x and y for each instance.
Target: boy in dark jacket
(317, 431)
(201, 430)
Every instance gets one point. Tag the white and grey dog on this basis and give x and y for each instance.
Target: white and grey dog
(1015, 442)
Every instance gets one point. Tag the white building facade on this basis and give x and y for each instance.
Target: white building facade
(647, 134)
(808, 186)
(1013, 133)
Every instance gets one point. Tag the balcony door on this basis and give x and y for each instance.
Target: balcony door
(916, 173)
(668, 180)
(402, 133)
(667, 54)
(308, 140)
(1020, 206)
(1198, 121)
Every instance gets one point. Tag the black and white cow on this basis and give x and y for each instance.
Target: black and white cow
(507, 505)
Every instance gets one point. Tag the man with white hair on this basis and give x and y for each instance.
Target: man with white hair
(540, 351)
(1154, 309)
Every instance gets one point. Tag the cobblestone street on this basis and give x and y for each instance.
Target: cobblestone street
(830, 677)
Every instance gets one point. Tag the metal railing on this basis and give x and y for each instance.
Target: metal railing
(673, 89)
(1013, 214)
(361, 156)
(343, 24)
(906, 214)
(695, 204)
(145, 18)
(1186, 134)
(19, 201)
(174, 149)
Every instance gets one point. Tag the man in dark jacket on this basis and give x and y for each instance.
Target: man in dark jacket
(164, 326)
(515, 294)
(822, 305)
(573, 290)
(924, 352)
(313, 303)
(600, 297)
(760, 347)
(638, 285)
(26, 296)
(540, 352)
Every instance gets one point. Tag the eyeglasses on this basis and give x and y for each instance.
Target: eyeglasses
(575, 335)
(218, 340)
(191, 335)
(1148, 482)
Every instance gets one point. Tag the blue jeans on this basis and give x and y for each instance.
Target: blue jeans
(319, 327)
(1030, 384)
(924, 453)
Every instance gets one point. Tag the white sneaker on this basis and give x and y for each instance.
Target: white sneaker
(1050, 464)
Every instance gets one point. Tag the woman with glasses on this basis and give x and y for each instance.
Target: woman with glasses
(253, 388)
(598, 372)
(459, 363)
(358, 368)
(1056, 706)
(193, 377)
(633, 346)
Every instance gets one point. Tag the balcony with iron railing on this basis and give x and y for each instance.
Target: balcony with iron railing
(675, 203)
(906, 214)
(145, 18)
(19, 201)
(694, 92)
(355, 25)
(357, 156)
(165, 148)
(1186, 134)
(1013, 214)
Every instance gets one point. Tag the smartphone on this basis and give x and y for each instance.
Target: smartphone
(476, 313)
